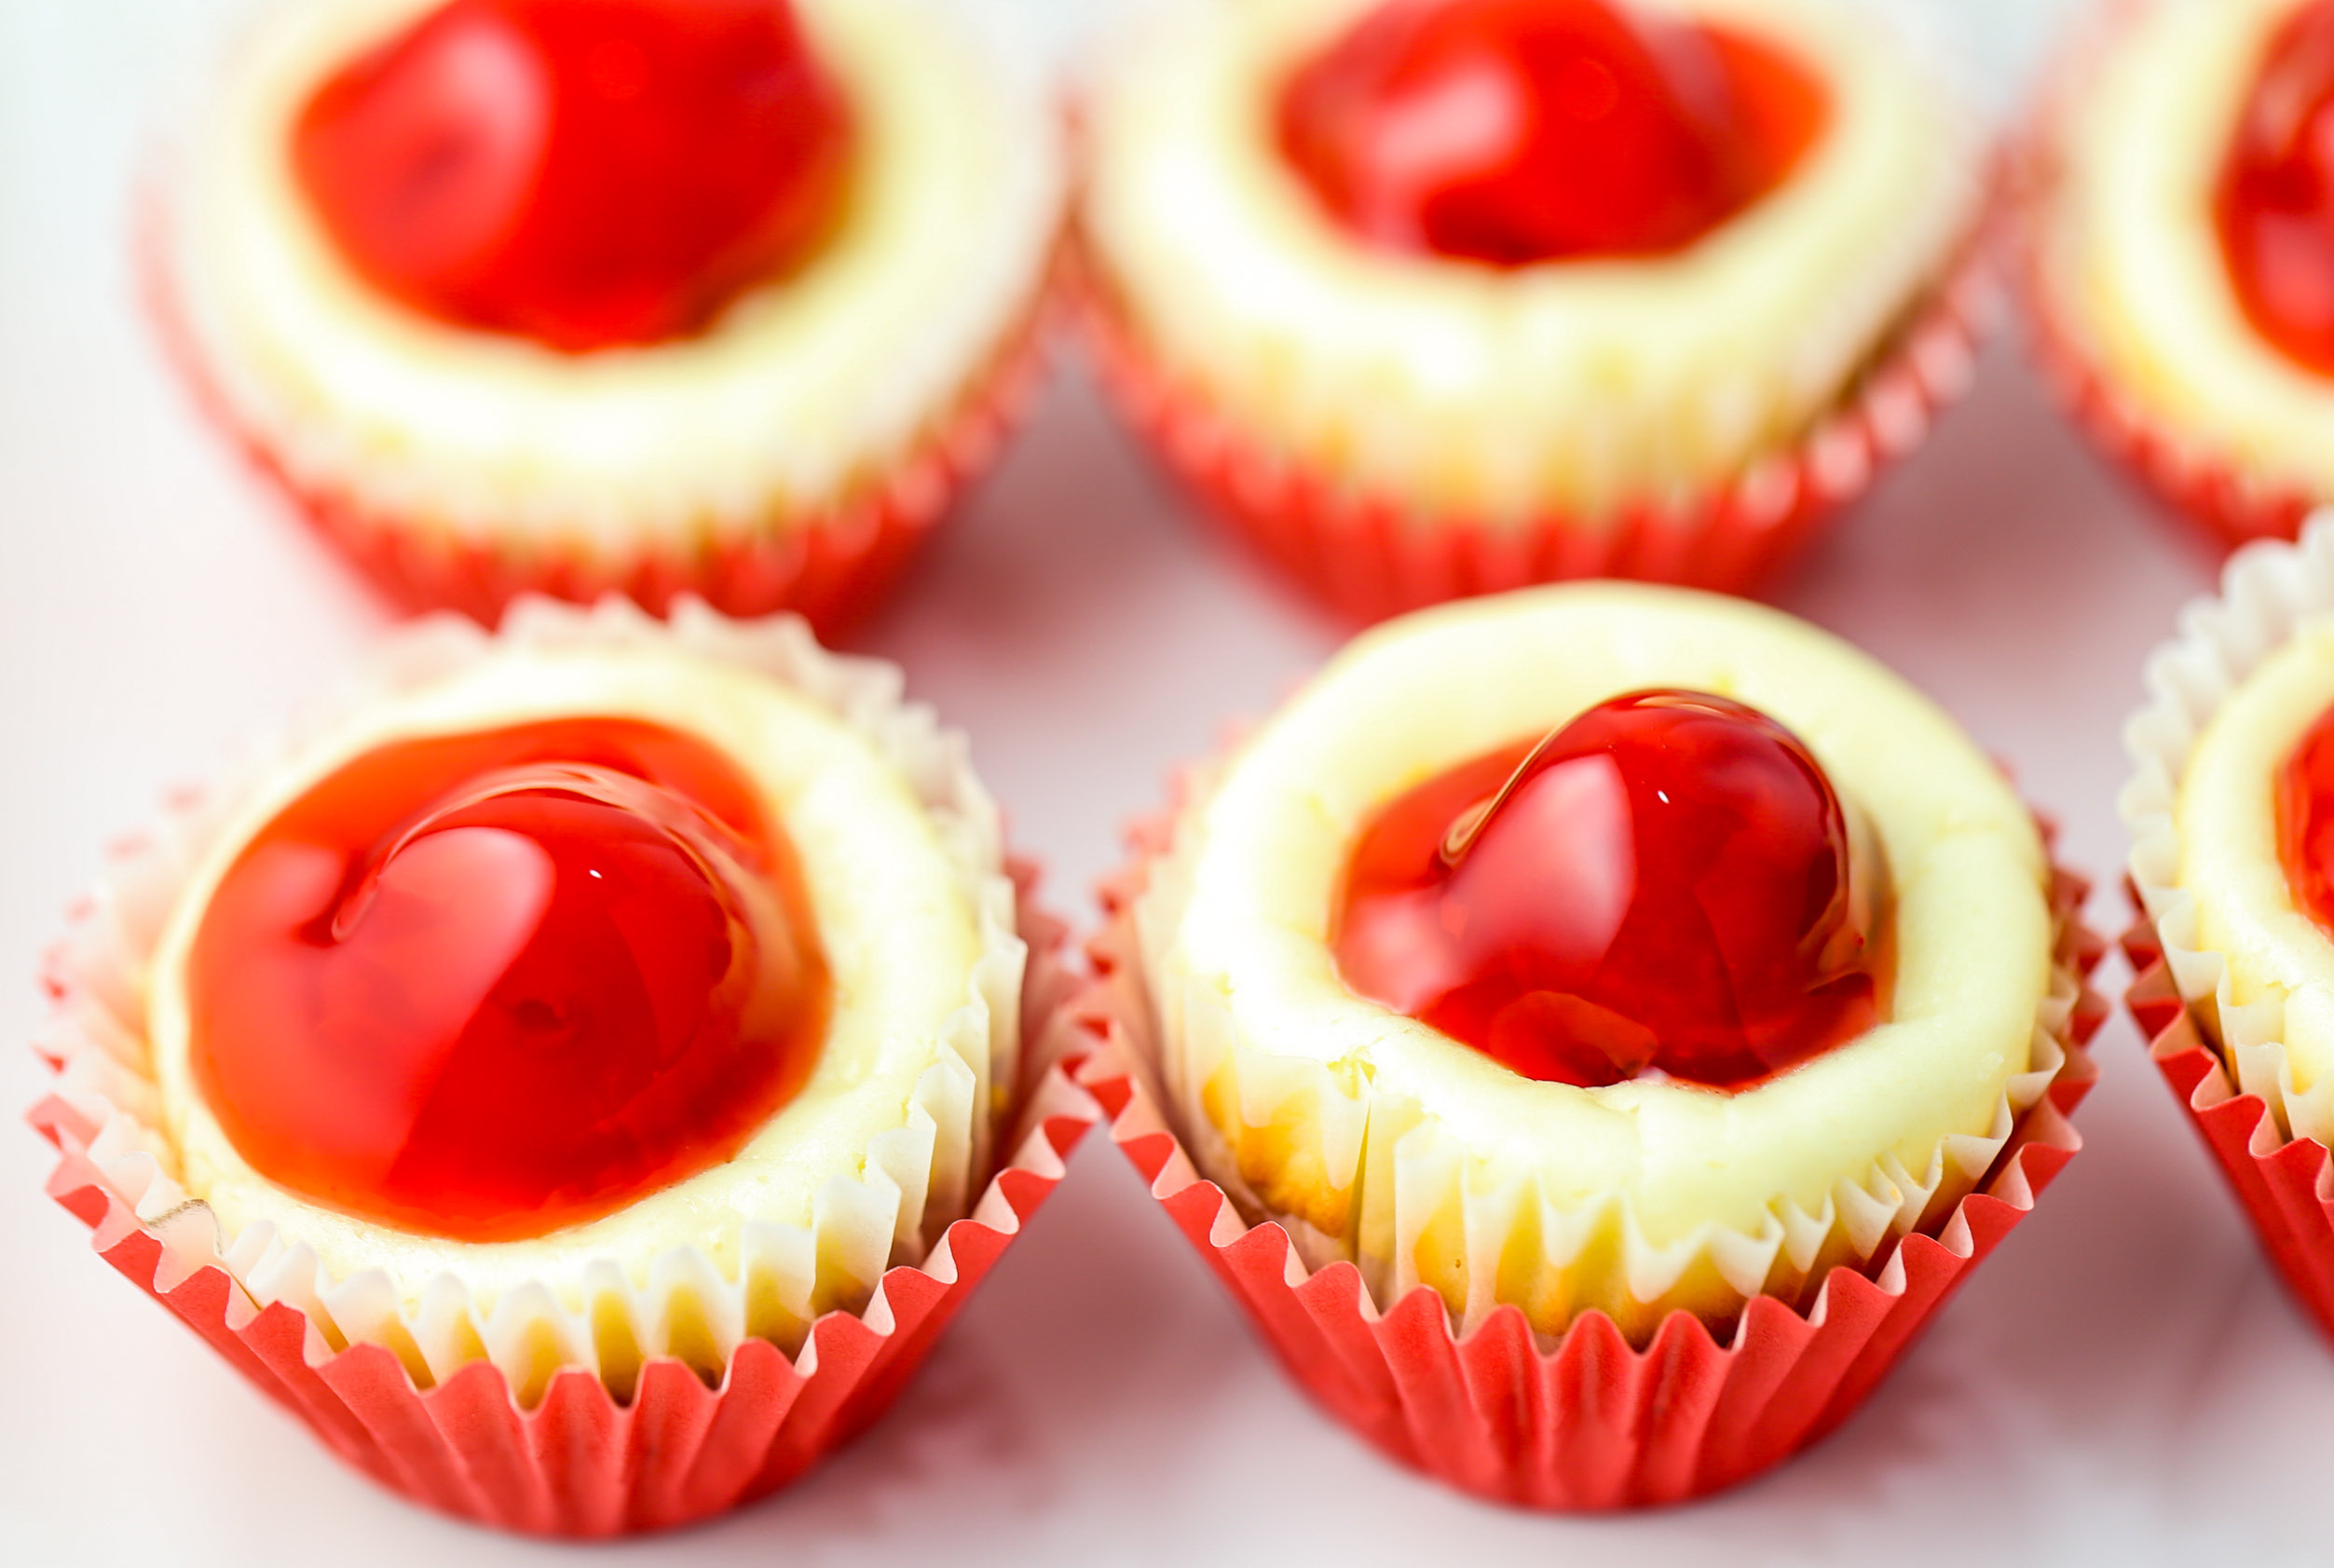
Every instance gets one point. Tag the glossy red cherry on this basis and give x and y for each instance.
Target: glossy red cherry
(1666, 883)
(486, 985)
(1515, 132)
(2305, 820)
(2275, 199)
(589, 173)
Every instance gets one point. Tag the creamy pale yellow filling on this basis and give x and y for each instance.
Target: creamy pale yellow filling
(2130, 251)
(2226, 820)
(1308, 1096)
(797, 394)
(1575, 384)
(889, 887)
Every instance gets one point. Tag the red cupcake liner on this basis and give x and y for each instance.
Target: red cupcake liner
(1590, 1422)
(1371, 556)
(2283, 1184)
(2229, 506)
(832, 563)
(581, 1461)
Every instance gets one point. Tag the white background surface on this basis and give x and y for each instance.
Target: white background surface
(2123, 1383)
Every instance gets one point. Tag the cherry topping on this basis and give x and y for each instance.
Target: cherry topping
(486, 985)
(2305, 820)
(1663, 884)
(589, 173)
(2274, 204)
(1515, 132)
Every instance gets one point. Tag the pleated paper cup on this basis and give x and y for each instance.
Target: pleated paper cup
(832, 563)
(2228, 504)
(447, 1402)
(786, 461)
(1368, 557)
(1588, 1420)
(2281, 1183)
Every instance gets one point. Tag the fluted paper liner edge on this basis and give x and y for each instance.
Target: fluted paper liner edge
(2228, 1063)
(1370, 556)
(2230, 501)
(831, 557)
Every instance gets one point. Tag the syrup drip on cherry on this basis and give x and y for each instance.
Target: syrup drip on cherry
(1519, 131)
(587, 173)
(487, 985)
(2274, 205)
(1666, 884)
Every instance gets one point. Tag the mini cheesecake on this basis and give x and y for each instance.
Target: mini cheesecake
(2181, 239)
(602, 992)
(1523, 267)
(641, 294)
(1603, 949)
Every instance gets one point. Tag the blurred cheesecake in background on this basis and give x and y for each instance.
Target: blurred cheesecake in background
(635, 294)
(1499, 290)
(2180, 249)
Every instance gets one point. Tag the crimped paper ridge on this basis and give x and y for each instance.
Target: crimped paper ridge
(831, 562)
(581, 1461)
(1588, 1420)
(1373, 555)
(917, 1180)
(2285, 1184)
(2267, 590)
(1600, 1252)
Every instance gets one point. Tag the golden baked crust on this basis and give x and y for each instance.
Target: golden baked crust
(2126, 251)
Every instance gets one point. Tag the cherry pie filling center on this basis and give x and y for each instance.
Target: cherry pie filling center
(1666, 884)
(588, 174)
(2274, 204)
(486, 986)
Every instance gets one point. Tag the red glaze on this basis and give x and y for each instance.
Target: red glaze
(1665, 884)
(2305, 821)
(486, 985)
(589, 173)
(1515, 132)
(2275, 201)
